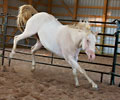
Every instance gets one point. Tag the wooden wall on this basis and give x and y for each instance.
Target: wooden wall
(95, 10)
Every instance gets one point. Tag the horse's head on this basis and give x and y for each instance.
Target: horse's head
(88, 42)
(88, 45)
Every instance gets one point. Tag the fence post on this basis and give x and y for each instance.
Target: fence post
(4, 37)
(112, 81)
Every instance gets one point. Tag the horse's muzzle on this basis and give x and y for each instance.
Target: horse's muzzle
(90, 54)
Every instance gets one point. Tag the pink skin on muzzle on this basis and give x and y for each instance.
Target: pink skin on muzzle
(90, 54)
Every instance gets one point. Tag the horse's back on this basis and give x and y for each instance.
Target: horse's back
(47, 27)
(38, 20)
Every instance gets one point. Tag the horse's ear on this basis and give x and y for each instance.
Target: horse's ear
(87, 25)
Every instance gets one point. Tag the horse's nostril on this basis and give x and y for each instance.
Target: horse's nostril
(90, 56)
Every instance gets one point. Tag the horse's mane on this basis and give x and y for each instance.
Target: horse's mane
(81, 26)
(25, 12)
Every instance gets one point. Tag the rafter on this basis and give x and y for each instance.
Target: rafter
(104, 20)
(66, 7)
(5, 6)
(49, 6)
(24, 1)
(75, 9)
(30, 2)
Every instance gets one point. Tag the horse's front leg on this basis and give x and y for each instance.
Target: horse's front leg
(75, 64)
(75, 73)
(74, 69)
(36, 47)
(75, 77)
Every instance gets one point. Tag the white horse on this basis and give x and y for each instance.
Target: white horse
(63, 40)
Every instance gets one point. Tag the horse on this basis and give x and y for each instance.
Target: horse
(63, 40)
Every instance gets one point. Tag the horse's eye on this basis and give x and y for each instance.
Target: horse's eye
(88, 41)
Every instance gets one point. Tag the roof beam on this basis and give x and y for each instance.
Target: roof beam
(75, 9)
(67, 8)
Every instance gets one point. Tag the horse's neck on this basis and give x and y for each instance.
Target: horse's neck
(76, 35)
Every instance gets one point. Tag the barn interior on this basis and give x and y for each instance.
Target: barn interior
(53, 76)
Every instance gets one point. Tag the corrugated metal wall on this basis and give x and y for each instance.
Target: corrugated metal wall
(91, 10)
(92, 14)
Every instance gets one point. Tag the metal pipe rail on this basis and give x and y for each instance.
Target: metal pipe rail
(68, 67)
(72, 20)
(109, 65)
(29, 46)
(52, 57)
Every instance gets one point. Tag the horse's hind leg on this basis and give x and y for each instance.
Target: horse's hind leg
(17, 38)
(36, 47)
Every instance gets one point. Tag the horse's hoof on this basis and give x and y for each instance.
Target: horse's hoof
(33, 69)
(95, 87)
(11, 54)
(77, 85)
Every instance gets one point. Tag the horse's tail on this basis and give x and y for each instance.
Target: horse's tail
(25, 12)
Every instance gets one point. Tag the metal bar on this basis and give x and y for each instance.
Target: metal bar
(104, 25)
(98, 34)
(109, 65)
(71, 20)
(105, 45)
(29, 46)
(55, 57)
(107, 73)
(103, 55)
(112, 81)
(24, 45)
(60, 65)
(74, 20)
(4, 38)
(106, 34)
(115, 74)
(52, 58)
(118, 64)
(101, 79)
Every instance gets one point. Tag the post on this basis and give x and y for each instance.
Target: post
(104, 25)
(30, 2)
(112, 81)
(5, 7)
(75, 9)
(49, 6)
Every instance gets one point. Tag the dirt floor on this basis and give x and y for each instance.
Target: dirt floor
(53, 83)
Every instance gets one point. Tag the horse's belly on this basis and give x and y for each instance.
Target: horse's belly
(48, 35)
(50, 43)
(52, 46)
